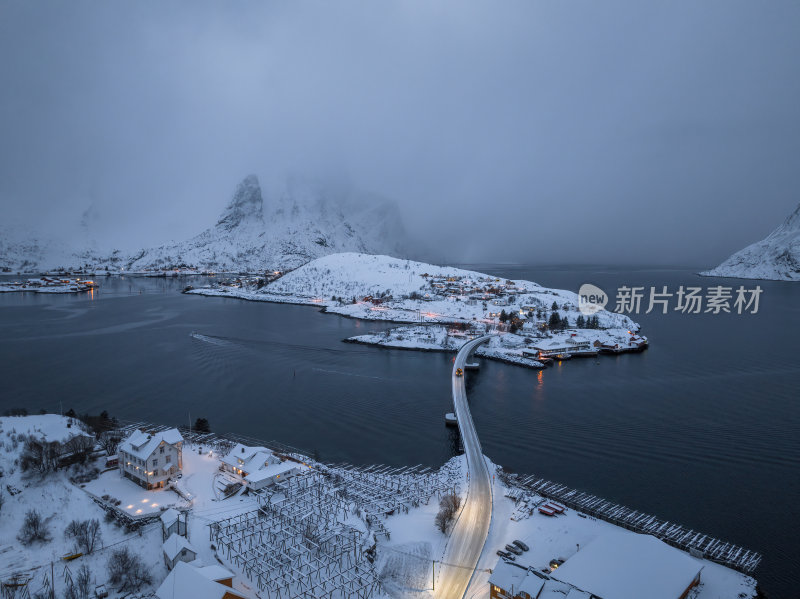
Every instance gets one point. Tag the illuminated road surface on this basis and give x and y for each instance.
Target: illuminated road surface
(472, 527)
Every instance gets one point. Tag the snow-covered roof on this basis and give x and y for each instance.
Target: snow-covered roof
(188, 582)
(550, 344)
(249, 458)
(175, 544)
(215, 572)
(169, 517)
(270, 471)
(627, 565)
(142, 445)
(508, 576)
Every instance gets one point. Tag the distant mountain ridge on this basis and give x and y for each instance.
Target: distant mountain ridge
(776, 257)
(306, 220)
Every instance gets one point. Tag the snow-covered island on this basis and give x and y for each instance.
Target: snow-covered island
(241, 522)
(776, 257)
(446, 307)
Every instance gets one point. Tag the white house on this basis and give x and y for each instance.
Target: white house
(178, 549)
(150, 459)
(578, 343)
(552, 347)
(258, 466)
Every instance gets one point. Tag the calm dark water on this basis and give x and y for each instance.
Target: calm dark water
(701, 429)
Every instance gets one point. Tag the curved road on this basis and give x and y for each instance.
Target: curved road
(472, 527)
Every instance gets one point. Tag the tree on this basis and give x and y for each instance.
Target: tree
(448, 506)
(201, 425)
(555, 321)
(580, 322)
(79, 588)
(564, 322)
(80, 446)
(39, 456)
(86, 534)
(33, 529)
(554, 306)
(127, 570)
(109, 441)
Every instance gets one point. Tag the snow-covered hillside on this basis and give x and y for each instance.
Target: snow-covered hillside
(357, 275)
(303, 221)
(776, 257)
(391, 289)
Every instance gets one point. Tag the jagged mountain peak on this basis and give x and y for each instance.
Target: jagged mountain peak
(247, 204)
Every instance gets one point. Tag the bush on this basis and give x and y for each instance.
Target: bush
(33, 529)
(127, 570)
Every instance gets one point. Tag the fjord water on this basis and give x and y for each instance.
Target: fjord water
(701, 429)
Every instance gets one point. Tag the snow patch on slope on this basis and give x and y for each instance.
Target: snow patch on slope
(777, 257)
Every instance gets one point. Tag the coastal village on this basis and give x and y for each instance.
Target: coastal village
(181, 514)
(446, 306)
(50, 284)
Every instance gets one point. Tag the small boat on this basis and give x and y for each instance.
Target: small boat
(564, 356)
(450, 419)
(546, 511)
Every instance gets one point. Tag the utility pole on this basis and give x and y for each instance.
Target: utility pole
(433, 575)
(52, 583)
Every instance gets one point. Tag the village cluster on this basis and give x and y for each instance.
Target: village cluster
(50, 284)
(188, 515)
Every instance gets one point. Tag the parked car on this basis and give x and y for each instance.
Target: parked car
(502, 553)
(520, 544)
(514, 549)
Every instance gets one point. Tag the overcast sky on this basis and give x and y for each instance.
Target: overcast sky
(522, 131)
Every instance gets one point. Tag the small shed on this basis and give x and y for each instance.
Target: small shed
(178, 549)
(172, 522)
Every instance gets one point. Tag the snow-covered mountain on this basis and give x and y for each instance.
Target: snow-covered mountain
(25, 250)
(775, 257)
(304, 220)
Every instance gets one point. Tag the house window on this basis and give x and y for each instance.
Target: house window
(161, 450)
(168, 459)
(155, 462)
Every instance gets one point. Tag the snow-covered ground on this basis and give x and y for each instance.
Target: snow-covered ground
(404, 562)
(406, 558)
(59, 502)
